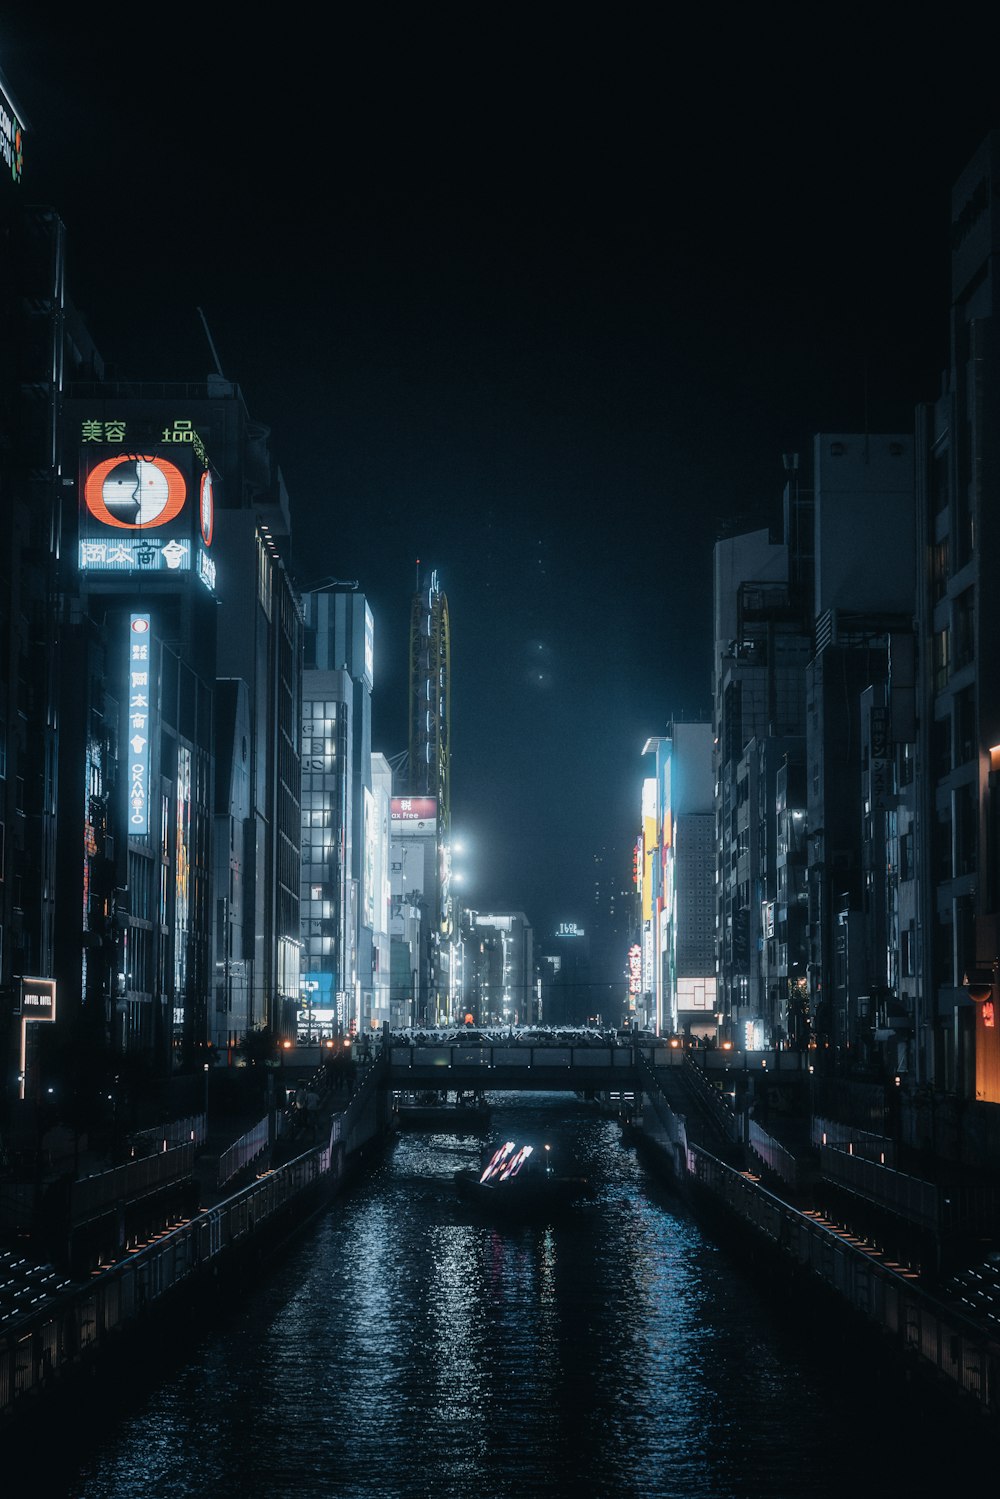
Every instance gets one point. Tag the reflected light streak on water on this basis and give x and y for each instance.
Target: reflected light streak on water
(409, 1348)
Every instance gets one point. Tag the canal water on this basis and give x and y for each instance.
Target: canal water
(409, 1348)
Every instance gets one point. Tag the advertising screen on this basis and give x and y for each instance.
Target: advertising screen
(11, 136)
(369, 855)
(145, 508)
(140, 696)
(413, 814)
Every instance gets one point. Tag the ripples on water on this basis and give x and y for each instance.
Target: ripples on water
(409, 1349)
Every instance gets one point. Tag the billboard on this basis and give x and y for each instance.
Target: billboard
(11, 135)
(369, 857)
(410, 815)
(139, 696)
(148, 508)
(369, 676)
(37, 998)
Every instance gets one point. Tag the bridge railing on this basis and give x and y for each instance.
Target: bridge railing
(487, 1059)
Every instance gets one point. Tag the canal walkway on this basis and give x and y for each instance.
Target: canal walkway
(215, 1189)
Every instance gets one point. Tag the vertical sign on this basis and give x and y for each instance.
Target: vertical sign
(369, 648)
(11, 136)
(880, 766)
(369, 853)
(37, 1002)
(138, 723)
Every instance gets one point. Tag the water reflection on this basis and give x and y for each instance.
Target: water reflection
(408, 1347)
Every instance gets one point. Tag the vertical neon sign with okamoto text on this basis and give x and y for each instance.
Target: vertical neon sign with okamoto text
(138, 722)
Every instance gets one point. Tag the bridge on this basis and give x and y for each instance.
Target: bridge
(512, 1068)
(519, 1066)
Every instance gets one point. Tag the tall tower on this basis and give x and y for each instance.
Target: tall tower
(339, 834)
(430, 696)
(430, 758)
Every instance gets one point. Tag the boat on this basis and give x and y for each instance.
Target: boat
(518, 1179)
(430, 1110)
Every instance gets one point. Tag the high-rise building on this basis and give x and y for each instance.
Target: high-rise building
(956, 934)
(339, 877)
(153, 856)
(328, 943)
(858, 679)
(429, 773)
(414, 865)
(682, 881)
(42, 938)
(181, 520)
(499, 968)
(381, 845)
(762, 644)
(609, 924)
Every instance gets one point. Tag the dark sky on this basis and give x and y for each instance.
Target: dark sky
(538, 303)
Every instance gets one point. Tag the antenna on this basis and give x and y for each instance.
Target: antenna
(417, 586)
(323, 583)
(211, 345)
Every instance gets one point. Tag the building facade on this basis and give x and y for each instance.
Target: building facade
(429, 762)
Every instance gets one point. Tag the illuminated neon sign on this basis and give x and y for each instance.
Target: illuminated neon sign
(115, 430)
(37, 1002)
(139, 708)
(141, 510)
(135, 491)
(206, 508)
(206, 570)
(133, 555)
(11, 138)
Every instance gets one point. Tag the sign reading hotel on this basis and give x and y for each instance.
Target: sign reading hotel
(411, 815)
(137, 722)
(38, 999)
(145, 508)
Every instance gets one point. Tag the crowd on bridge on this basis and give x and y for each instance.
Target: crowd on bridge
(508, 1035)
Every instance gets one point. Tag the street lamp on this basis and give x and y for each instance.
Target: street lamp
(286, 1045)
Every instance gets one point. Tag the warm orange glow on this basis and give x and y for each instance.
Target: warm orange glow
(287, 1045)
(94, 491)
(727, 1046)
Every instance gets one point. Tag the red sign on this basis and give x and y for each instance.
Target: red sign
(414, 809)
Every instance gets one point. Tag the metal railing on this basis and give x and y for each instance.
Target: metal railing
(94, 1194)
(922, 1202)
(244, 1150)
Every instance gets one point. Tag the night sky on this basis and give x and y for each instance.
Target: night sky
(540, 303)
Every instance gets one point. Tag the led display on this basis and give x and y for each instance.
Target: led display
(145, 507)
(137, 722)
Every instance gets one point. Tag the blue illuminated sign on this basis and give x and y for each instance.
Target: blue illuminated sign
(138, 722)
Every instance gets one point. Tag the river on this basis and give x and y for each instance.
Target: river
(406, 1348)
